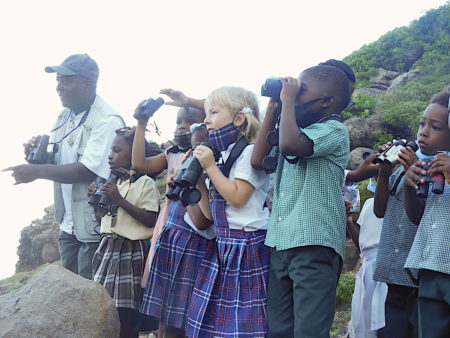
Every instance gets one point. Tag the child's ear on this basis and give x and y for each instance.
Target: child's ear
(326, 102)
(239, 119)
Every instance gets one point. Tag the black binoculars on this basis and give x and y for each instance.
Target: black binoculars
(39, 154)
(437, 181)
(183, 188)
(272, 88)
(148, 108)
(100, 201)
(390, 156)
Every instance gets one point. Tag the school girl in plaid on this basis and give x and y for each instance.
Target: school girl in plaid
(179, 252)
(118, 263)
(189, 113)
(229, 298)
(429, 257)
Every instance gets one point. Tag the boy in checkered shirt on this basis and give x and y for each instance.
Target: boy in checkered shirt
(307, 225)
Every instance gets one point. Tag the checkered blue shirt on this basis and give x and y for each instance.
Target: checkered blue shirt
(431, 247)
(308, 207)
(397, 236)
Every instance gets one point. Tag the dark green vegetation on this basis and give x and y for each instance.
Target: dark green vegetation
(423, 45)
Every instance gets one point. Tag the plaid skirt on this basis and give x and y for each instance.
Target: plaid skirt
(173, 272)
(118, 265)
(230, 295)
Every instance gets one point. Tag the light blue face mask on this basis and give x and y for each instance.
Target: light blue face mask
(372, 186)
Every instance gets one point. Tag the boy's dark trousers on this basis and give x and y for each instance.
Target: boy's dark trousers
(401, 312)
(301, 296)
(76, 256)
(434, 304)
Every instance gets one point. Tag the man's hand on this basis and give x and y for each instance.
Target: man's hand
(24, 173)
(27, 147)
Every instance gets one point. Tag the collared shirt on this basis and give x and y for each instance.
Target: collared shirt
(397, 236)
(431, 247)
(308, 206)
(142, 194)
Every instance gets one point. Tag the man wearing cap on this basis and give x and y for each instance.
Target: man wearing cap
(83, 133)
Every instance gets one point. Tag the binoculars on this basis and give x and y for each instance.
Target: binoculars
(39, 154)
(183, 188)
(148, 108)
(437, 182)
(390, 156)
(100, 201)
(272, 88)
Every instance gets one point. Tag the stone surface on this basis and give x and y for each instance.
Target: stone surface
(404, 79)
(356, 158)
(384, 77)
(369, 91)
(57, 303)
(361, 131)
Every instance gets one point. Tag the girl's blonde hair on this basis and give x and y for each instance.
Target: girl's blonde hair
(236, 99)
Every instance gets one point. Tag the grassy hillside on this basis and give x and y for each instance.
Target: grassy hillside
(423, 45)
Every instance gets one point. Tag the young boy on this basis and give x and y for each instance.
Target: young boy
(429, 258)
(307, 225)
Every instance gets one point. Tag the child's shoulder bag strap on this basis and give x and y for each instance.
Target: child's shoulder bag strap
(237, 150)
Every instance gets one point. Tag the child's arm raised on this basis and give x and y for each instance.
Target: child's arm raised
(236, 192)
(293, 142)
(139, 162)
(262, 147)
(143, 216)
(181, 100)
(414, 206)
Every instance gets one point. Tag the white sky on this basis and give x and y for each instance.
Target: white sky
(143, 46)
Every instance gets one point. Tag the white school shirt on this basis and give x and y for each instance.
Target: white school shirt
(94, 158)
(253, 215)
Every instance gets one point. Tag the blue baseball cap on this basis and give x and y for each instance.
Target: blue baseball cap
(77, 64)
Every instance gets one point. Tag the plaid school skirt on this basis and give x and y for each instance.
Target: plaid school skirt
(230, 295)
(173, 272)
(118, 265)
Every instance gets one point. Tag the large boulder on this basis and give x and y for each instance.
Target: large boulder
(404, 79)
(384, 77)
(361, 131)
(374, 91)
(57, 303)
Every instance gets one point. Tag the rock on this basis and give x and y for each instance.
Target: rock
(38, 243)
(356, 158)
(57, 303)
(361, 131)
(404, 79)
(384, 77)
(372, 92)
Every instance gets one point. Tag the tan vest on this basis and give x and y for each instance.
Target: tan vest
(86, 228)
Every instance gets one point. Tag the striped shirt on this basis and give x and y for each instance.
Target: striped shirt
(397, 236)
(308, 207)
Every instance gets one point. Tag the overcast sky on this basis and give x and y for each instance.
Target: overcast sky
(143, 46)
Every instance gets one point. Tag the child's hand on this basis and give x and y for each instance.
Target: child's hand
(205, 156)
(178, 97)
(140, 121)
(110, 189)
(384, 147)
(440, 164)
(407, 157)
(271, 107)
(92, 188)
(188, 153)
(381, 149)
(348, 207)
(290, 89)
(412, 177)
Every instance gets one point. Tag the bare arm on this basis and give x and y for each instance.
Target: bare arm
(381, 193)
(293, 142)
(365, 170)
(66, 173)
(181, 100)
(152, 164)
(262, 147)
(197, 216)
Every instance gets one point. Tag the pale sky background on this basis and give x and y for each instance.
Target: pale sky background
(143, 46)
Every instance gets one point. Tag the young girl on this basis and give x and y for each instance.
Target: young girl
(229, 297)
(169, 160)
(429, 257)
(118, 263)
(179, 252)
